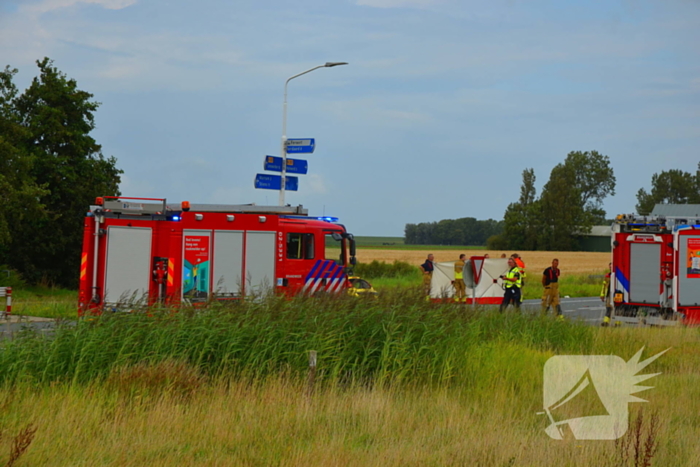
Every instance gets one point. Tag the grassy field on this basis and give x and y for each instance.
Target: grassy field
(399, 382)
(570, 262)
(582, 272)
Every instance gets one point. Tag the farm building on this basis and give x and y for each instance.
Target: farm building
(598, 239)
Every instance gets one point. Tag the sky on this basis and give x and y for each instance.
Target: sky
(443, 104)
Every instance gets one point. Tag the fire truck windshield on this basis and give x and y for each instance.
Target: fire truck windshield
(345, 243)
(336, 247)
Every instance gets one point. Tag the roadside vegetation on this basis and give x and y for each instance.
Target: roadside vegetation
(399, 381)
(402, 275)
(389, 279)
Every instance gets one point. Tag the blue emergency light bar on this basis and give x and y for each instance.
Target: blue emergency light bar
(321, 218)
(686, 226)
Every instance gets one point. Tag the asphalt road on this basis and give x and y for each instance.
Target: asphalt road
(589, 310)
(11, 325)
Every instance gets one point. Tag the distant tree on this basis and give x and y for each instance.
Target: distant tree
(670, 187)
(521, 219)
(66, 163)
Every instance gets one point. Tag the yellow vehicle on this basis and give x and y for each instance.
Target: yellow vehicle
(360, 287)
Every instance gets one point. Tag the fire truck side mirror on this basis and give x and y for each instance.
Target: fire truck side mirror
(353, 260)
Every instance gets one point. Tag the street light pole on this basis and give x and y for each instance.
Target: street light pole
(283, 151)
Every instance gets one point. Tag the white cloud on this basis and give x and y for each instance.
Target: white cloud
(50, 5)
(314, 184)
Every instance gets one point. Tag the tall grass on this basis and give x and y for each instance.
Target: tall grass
(398, 338)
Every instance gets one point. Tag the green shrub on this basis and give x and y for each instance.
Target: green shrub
(377, 269)
(11, 278)
(497, 242)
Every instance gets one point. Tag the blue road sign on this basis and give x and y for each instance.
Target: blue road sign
(294, 166)
(301, 146)
(274, 182)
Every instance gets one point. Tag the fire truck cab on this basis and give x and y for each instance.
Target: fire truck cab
(141, 251)
(655, 276)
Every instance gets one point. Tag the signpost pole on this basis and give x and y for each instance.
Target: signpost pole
(283, 152)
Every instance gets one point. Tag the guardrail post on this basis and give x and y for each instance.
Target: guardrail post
(8, 311)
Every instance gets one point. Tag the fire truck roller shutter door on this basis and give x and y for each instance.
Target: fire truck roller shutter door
(645, 267)
(259, 262)
(688, 280)
(128, 267)
(228, 263)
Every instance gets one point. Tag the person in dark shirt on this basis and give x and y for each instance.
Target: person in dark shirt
(550, 282)
(427, 270)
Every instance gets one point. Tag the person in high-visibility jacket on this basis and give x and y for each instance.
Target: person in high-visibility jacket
(511, 282)
(460, 286)
(521, 266)
(605, 296)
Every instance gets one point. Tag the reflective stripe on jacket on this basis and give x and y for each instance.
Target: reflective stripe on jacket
(514, 273)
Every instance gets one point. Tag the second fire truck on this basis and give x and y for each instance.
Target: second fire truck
(655, 277)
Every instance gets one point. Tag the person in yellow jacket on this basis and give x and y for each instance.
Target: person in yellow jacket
(511, 282)
(605, 296)
(521, 266)
(460, 286)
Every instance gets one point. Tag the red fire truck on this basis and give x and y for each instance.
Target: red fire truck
(655, 277)
(141, 251)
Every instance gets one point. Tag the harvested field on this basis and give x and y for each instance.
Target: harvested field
(570, 262)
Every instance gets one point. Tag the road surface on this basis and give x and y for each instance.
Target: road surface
(589, 310)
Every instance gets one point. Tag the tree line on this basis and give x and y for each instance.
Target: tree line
(464, 231)
(51, 170)
(569, 205)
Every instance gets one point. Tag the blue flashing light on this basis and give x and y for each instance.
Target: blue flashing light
(320, 218)
(686, 226)
(176, 218)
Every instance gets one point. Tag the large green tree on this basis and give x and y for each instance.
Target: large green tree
(562, 210)
(570, 203)
(19, 193)
(53, 119)
(670, 186)
(594, 179)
